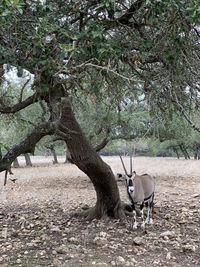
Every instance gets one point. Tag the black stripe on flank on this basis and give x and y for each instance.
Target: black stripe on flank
(147, 198)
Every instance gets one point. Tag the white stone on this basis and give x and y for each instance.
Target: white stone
(100, 241)
(61, 250)
(138, 240)
(168, 257)
(133, 260)
(4, 232)
(55, 228)
(103, 234)
(189, 248)
(120, 259)
(167, 234)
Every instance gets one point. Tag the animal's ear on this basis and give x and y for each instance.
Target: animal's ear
(133, 174)
(121, 176)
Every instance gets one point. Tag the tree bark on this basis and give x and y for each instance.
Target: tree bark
(53, 152)
(197, 154)
(86, 158)
(16, 163)
(27, 159)
(64, 124)
(102, 144)
(68, 158)
(176, 151)
(186, 152)
(27, 145)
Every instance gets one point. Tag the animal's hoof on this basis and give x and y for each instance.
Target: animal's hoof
(149, 222)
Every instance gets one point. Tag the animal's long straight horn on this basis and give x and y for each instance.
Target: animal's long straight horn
(131, 165)
(123, 165)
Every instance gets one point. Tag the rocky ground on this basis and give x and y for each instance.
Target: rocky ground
(37, 227)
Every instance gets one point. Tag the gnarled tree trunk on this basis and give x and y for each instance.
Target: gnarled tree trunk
(62, 122)
(86, 158)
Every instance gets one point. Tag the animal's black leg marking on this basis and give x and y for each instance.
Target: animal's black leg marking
(142, 214)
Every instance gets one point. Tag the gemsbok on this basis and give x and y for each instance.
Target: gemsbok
(140, 189)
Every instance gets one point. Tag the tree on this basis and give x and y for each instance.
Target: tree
(28, 159)
(174, 135)
(112, 50)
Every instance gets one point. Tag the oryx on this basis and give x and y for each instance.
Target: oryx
(140, 189)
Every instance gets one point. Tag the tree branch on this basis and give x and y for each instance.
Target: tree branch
(22, 90)
(185, 115)
(21, 105)
(27, 145)
(124, 19)
(106, 69)
(102, 144)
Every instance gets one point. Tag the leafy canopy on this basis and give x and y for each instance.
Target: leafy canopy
(110, 52)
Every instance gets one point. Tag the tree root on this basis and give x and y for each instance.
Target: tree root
(121, 211)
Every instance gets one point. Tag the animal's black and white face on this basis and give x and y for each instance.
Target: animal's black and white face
(130, 183)
(129, 177)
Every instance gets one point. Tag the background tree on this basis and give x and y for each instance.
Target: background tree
(105, 50)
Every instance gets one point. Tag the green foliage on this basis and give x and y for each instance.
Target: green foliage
(124, 76)
(15, 127)
(8, 7)
(190, 8)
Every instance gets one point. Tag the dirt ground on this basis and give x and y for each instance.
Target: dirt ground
(37, 227)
